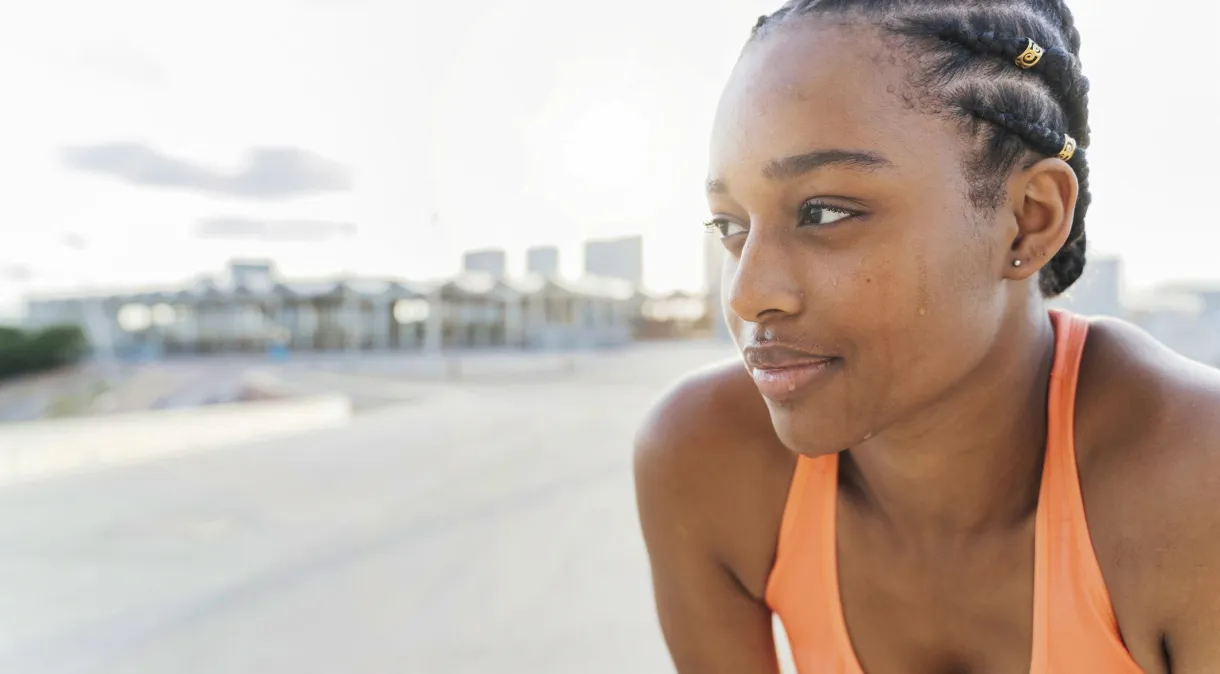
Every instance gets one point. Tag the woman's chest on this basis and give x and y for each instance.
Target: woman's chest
(950, 608)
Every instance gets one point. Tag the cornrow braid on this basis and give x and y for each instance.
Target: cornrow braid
(1040, 138)
(1067, 23)
(762, 21)
(1049, 142)
(1060, 69)
(970, 71)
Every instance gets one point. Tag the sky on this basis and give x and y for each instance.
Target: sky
(147, 142)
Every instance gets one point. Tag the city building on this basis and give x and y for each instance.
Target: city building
(250, 307)
(678, 315)
(1185, 317)
(713, 271)
(493, 262)
(542, 260)
(253, 274)
(1173, 319)
(621, 258)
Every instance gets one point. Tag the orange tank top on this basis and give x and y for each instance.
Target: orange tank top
(1074, 625)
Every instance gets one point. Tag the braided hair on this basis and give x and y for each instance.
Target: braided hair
(968, 51)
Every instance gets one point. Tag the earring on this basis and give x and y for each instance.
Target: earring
(1016, 263)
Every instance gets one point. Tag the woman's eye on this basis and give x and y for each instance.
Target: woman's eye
(724, 228)
(814, 214)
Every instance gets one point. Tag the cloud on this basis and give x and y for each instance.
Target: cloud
(230, 228)
(269, 173)
(16, 273)
(73, 241)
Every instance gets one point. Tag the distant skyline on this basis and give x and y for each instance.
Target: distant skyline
(154, 141)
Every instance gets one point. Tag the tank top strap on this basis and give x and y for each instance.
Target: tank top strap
(803, 588)
(1068, 546)
(807, 530)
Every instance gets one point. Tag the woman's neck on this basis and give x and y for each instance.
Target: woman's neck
(972, 462)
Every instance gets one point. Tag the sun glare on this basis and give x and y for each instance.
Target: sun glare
(593, 150)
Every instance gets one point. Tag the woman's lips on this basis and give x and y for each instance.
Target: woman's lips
(785, 382)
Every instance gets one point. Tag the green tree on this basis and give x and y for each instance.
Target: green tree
(28, 351)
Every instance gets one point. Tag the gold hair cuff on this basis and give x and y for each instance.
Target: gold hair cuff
(1069, 148)
(1030, 57)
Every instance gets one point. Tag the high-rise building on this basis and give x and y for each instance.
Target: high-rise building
(1185, 317)
(257, 275)
(713, 266)
(542, 260)
(621, 258)
(492, 262)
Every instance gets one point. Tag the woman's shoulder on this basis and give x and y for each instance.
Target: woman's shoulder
(1138, 395)
(708, 462)
(713, 402)
(709, 426)
(1148, 433)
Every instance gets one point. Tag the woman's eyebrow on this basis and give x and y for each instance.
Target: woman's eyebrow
(788, 168)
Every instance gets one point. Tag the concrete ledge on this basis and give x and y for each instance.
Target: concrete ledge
(40, 449)
(453, 365)
(494, 366)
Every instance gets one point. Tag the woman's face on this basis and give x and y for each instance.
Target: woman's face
(862, 283)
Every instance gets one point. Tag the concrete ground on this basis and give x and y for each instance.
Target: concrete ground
(481, 528)
(371, 379)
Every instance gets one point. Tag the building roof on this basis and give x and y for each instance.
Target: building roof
(526, 285)
(600, 286)
(471, 283)
(312, 288)
(224, 287)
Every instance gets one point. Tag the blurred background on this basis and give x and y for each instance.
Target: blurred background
(325, 326)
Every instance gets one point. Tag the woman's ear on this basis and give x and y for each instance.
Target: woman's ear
(1043, 199)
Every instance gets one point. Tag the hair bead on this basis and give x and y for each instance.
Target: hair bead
(1069, 148)
(1030, 57)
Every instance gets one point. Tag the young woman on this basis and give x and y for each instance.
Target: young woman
(939, 476)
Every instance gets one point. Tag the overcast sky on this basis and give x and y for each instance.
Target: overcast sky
(148, 141)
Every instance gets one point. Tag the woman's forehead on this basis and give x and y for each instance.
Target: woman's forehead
(819, 85)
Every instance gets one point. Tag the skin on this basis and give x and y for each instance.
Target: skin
(942, 352)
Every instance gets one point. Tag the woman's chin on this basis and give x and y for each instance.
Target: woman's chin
(811, 439)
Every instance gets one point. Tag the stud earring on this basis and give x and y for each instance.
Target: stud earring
(1016, 263)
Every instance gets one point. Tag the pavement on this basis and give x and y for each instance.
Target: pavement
(370, 379)
(480, 527)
